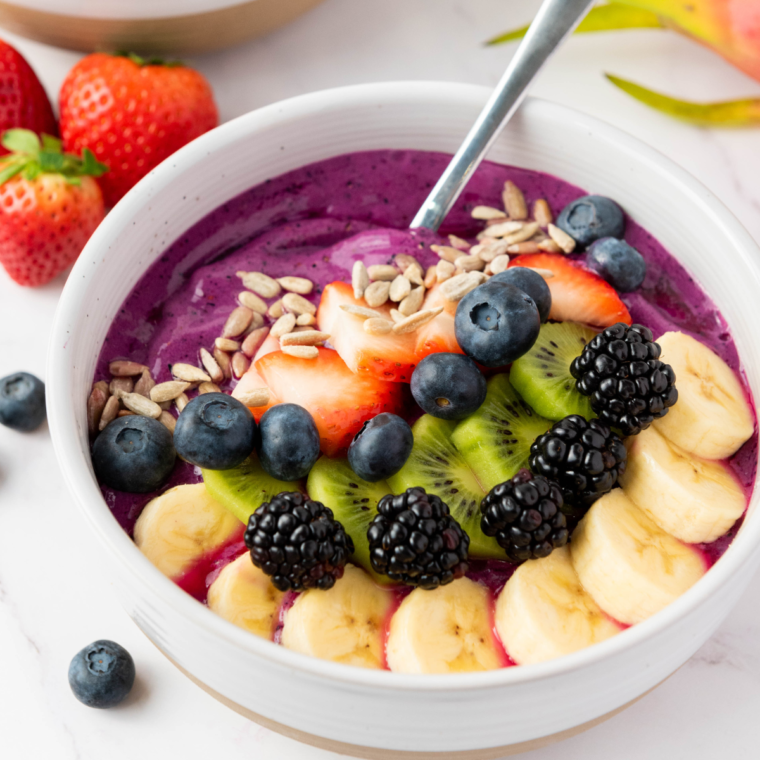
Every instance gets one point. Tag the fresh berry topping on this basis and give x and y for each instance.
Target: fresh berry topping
(619, 370)
(132, 114)
(529, 282)
(381, 448)
(525, 516)
(448, 386)
(584, 458)
(414, 540)
(577, 294)
(618, 263)
(23, 101)
(133, 454)
(215, 432)
(590, 218)
(102, 674)
(496, 323)
(339, 401)
(298, 543)
(289, 442)
(49, 206)
(22, 401)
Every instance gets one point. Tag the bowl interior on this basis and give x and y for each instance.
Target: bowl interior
(676, 209)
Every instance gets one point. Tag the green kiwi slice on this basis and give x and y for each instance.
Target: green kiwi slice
(542, 376)
(245, 488)
(495, 441)
(352, 500)
(437, 466)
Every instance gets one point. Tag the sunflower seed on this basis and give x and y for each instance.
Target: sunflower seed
(189, 373)
(110, 412)
(457, 242)
(359, 279)
(527, 247)
(377, 326)
(397, 316)
(514, 201)
(305, 338)
(527, 232)
(415, 321)
(256, 322)
(502, 230)
(487, 212)
(301, 352)
(120, 368)
(276, 310)
(124, 384)
(446, 252)
(413, 302)
(547, 274)
(253, 302)
(125, 413)
(140, 405)
(306, 320)
(211, 366)
(444, 270)
(181, 402)
(240, 364)
(382, 272)
(260, 283)
(469, 263)
(223, 360)
(255, 397)
(96, 403)
(103, 385)
(542, 213)
(499, 264)
(377, 293)
(283, 325)
(403, 261)
(459, 286)
(296, 285)
(144, 384)
(359, 311)
(253, 341)
(208, 388)
(549, 246)
(168, 421)
(430, 277)
(237, 323)
(227, 344)
(561, 238)
(489, 249)
(298, 304)
(400, 289)
(414, 274)
(168, 391)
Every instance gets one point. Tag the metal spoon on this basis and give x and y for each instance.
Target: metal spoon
(556, 19)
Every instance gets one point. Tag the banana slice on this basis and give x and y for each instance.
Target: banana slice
(344, 624)
(180, 526)
(629, 565)
(245, 596)
(544, 612)
(692, 499)
(447, 630)
(712, 417)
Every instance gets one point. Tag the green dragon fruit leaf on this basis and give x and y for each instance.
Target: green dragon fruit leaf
(729, 113)
(601, 18)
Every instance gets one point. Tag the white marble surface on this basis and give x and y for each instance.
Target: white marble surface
(53, 597)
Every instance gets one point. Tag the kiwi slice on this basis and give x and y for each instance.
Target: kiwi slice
(495, 441)
(437, 466)
(542, 376)
(353, 502)
(245, 488)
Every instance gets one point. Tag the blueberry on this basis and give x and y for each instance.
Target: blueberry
(133, 454)
(618, 263)
(448, 386)
(102, 674)
(22, 401)
(496, 323)
(289, 444)
(215, 432)
(590, 218)
(529, 282)
(380, 449)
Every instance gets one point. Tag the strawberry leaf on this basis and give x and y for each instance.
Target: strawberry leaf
(91, 166)
(602, 18)
(10, 167)
(729, 113)
(51, 144)
(52, 162)
(21, 141)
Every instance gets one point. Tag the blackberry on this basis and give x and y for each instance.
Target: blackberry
(584, 458)
(620, 371)
(298, 543)
(414, 540)
(525, 516)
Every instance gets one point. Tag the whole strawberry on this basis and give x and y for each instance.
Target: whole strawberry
(23, 101)
(49, 206)
(132, 114)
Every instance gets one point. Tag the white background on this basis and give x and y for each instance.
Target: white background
(54, 598)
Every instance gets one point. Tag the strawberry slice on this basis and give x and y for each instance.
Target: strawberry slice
(340, 401)
(251, 380)
(438, 335)
(577, 294)
(385, 357)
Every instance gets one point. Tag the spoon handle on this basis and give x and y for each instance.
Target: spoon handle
(556, 19)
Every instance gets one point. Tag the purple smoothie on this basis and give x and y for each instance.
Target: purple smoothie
(296, 224)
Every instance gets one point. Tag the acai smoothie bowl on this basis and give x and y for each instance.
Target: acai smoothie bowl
(389, 489)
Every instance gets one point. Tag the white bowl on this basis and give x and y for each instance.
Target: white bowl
(317, 700)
